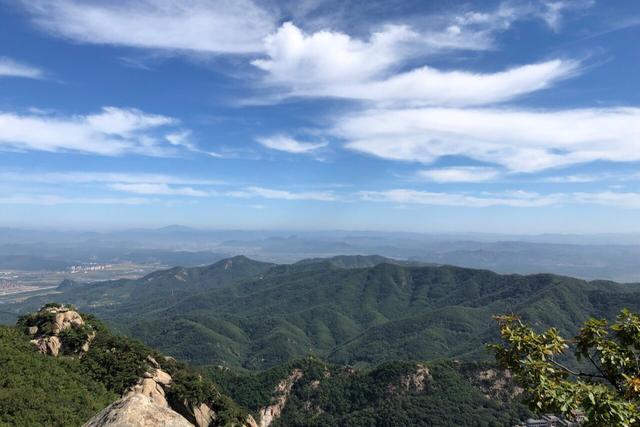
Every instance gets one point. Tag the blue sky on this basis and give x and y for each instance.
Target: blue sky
(509, 116)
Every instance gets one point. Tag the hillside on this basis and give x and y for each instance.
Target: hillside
(314, 393)
(59, 367)
(246, 314)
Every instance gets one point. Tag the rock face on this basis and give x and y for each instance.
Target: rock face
(58, 319)
(417, 381)
(283, 389)
(48, 345)
(66, 319)
(152, 386)
(137, 410)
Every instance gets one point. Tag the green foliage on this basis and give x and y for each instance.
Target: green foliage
(115, 361)
(42, 390)
(607, 392)
(74, 338)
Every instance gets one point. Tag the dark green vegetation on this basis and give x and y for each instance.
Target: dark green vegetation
(40, 390)
(37, 389)
(392, 394)
(247, 314)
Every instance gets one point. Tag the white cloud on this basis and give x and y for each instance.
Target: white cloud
(459, 174)
(183, 139)
(209, 26)
(519, 140)
(407, 196)
(113, 131)
(332, 64)
(268, 193)
(517, 199)
(50, 200)
(157, 189)
(299, 59)
(78, 177)
(12, 68)
(290, 145)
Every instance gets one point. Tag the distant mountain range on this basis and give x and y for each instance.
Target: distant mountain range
(606, 256)
(357, 310)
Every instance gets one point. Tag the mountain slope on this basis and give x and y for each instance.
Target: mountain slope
(59, 368)
(314, 393)
(241, 313)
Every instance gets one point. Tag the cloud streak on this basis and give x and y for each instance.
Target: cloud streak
(110, 132)
(514, 199)
(214, 27)
(269, 193)
(518, 140)
(290, 145)
(13, 68)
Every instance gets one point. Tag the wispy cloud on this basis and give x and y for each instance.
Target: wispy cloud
(158, 189)
(113, 131)
(408, 196)
(216, 26)
(459, 174)
(290, 145)
(518, 140)
(13, 68)
(183, 139)
(269, 193)
(50, 200)
(331, 64)
(82, 177)
(515, 199)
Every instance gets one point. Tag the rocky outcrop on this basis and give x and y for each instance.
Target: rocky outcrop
(199, 415)
(251, 422)
(137, 410)
(283, 389)
(48, 345)
(151, 389)
(65, 319)
(496, 384)
(417, 381)
(54, 320)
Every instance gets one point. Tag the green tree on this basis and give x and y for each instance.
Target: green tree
(602, 381)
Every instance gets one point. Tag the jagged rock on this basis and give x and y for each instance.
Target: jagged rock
(203, 415)
(48, 345)
(161, 377)
(32, 330)
(283, 389)
(418, 380)
(136, 410)
(154, 363)
(250, 422)
(66, 319)
(148, 387)
(200, 416)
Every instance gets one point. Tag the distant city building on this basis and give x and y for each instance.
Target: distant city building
(88, 267)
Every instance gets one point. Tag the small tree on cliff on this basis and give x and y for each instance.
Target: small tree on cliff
(607, 392)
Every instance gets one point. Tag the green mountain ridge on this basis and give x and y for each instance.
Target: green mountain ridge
(358, 310)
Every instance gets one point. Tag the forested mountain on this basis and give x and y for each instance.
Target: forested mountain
(247, 314)
(441, 393)
(62, 368)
